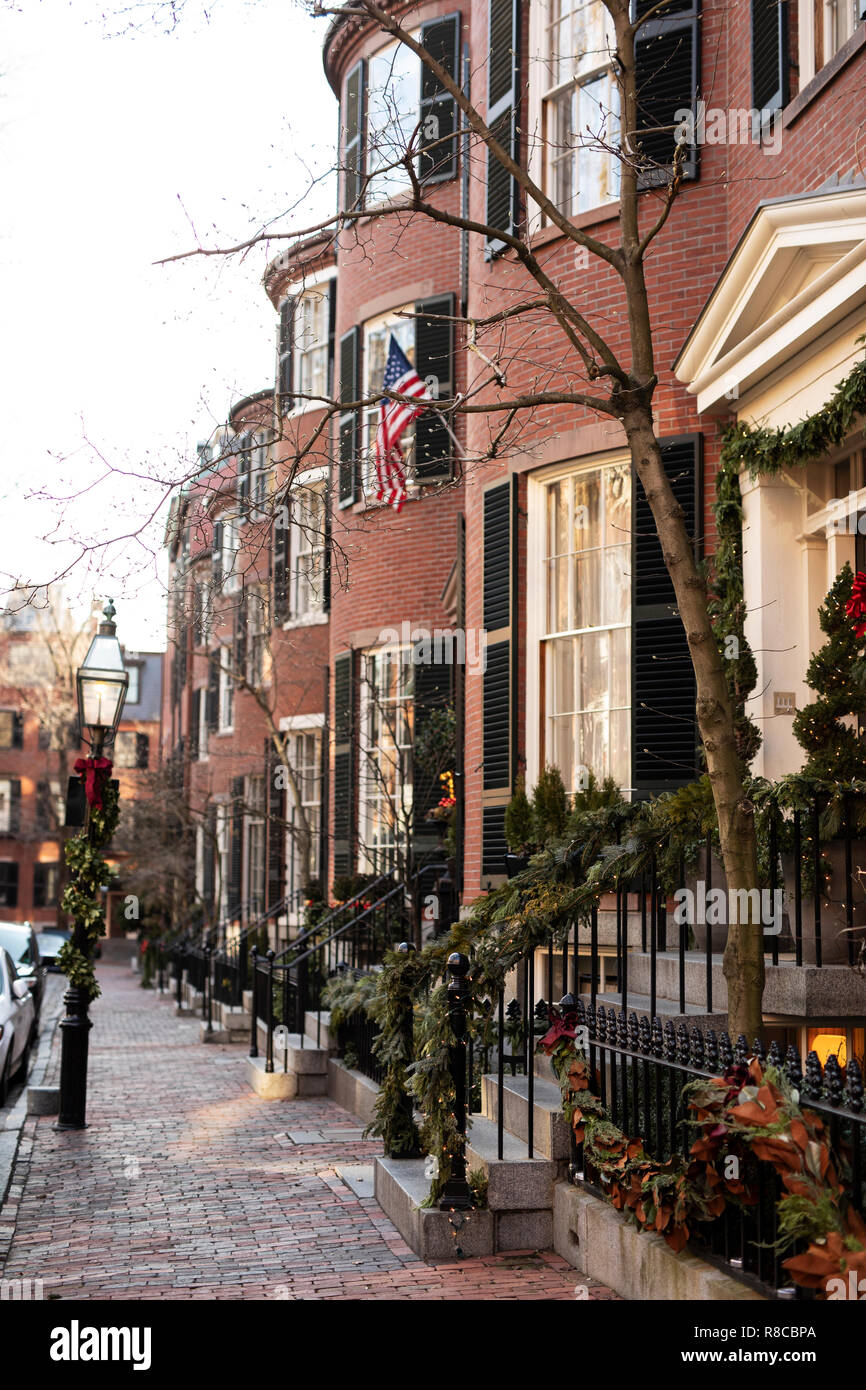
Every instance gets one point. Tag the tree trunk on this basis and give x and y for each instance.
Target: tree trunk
(744, 953)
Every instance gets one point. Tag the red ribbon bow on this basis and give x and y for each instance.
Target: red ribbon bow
(856, 605)
(96, 772)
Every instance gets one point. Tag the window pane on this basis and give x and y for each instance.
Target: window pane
(558, 619)
(587, 589)
(587, 511)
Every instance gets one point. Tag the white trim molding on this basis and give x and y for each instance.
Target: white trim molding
(798, 272)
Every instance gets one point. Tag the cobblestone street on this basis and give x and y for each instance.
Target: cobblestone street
(187, 1185)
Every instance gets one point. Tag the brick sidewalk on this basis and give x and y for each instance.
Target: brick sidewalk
(187, 1185)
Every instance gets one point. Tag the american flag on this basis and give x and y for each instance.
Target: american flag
(394, 418)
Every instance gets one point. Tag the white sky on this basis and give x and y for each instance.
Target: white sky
(113, 147)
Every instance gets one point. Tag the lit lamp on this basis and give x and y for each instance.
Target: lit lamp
(102, 683)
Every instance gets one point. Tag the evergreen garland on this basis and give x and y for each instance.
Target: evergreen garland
(82, 898)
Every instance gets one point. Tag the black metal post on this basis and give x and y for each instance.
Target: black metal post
(207, 999)
(407, 1032)
(456, 1194)
(254, 1012)
(269, 1013)
(75, 1027)
(179, 954)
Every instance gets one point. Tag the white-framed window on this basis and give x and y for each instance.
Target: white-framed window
(223, 857)
(311, 328)
(203, 731)
(226, 694)
(377, 334)
(133, 693)
(387, 719)
(574, 102)
(580, 621)
(229, 554)
(199, 861)
(5, 805)
(256, 630)
(393, 108)
(307, 549)
(255, 855)
(304, 750)
(823, 26)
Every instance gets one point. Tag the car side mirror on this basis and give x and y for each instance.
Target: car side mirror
(21, 988)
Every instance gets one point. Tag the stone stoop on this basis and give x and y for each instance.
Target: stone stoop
(323, 1033)
(235, 1022)
(520, 1189)
(550, 1138)
(298, 1071)
(400, 1186)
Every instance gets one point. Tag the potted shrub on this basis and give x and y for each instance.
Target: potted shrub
(519, 833)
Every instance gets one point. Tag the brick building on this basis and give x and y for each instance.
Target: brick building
(42, 644)
(544, 550)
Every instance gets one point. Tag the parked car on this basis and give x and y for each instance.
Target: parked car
(17, 1025)
(50, 942)
(22, 943)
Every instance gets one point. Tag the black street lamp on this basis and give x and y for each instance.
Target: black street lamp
(102, 683)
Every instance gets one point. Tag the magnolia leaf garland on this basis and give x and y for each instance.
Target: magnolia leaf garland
(750, 1110)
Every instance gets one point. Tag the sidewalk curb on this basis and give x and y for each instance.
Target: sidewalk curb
(13, 1122)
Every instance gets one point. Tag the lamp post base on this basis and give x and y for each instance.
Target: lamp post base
(74, 1040)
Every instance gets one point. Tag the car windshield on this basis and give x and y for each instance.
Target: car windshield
(51, 941)
(16, 940)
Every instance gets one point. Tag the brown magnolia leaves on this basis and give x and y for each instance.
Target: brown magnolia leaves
(746, 1111)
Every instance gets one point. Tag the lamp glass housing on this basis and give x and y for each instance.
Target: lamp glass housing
(102, 684)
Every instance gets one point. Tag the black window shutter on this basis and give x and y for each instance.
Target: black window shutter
(332, 331)
(240, 636)
(432, 692)
(353, 137)
(494, 845)
(503, 98)
(217, 556)
(142, 744)
(213, 691)
(437, 161)
(194, 725)
(18, 730)
(769, 56)
(434, 357)
(8, 885)
(664, 727)
(276, 826)
(14, 806)
(280, 572)
(497, 557)
(326, 558)
(208, 853)
(234, 893)
(350, 344)
(667, 74)
(344, 771)
(285, 368)
(496, 685)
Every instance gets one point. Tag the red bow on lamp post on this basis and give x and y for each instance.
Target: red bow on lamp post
(96, 772)
(856, 605)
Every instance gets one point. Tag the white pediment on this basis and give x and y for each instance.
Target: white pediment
(799, 268)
